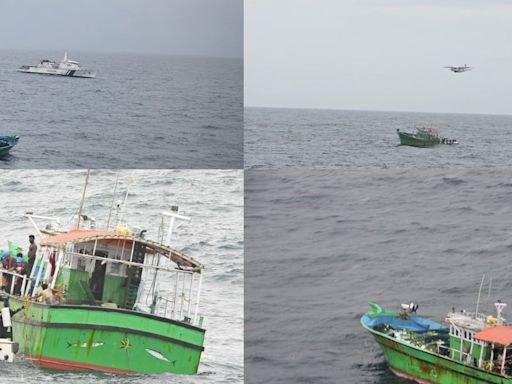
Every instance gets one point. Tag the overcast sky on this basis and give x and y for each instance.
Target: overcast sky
(192, 27)
(379, 54)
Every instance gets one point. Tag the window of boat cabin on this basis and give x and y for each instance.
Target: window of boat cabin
(110, 251)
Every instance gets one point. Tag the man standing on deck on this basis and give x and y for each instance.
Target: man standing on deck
(32, 249)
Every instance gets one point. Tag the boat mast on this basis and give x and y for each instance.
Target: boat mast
(83, 199)
(479, 293)
(113, 201)
(121, 208)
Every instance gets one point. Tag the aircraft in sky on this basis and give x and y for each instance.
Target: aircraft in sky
(459, 69)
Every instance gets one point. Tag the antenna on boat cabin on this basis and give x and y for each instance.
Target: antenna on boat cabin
(479, 294)
(173, 215)
(83, 199)
(499, 308)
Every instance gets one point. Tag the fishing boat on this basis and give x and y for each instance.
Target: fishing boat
(423, 137)
(65, 67)
(7, 143)
(119, 302)
(471, 348)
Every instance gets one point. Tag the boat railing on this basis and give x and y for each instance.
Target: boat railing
(476, 315)
(181, 303)
(13, 281)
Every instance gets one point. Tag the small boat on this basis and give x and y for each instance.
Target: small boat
(423, 137)
(118, 301)
(447, 141)
(471, 348)
(7, 143)
(66, 67)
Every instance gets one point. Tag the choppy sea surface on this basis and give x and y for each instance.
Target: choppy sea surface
(214, 236)
(278, 138)
(141, 111)
(321, 244)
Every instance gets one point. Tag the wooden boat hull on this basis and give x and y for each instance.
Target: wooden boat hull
(74, 337)
(415, 140)
(425, 367)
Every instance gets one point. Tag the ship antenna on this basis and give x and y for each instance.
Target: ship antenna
(83, 199)
(479, 293)
(173, 216)
(113, 201)
(123, 204)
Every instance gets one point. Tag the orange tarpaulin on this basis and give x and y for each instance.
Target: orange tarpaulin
(501, 335)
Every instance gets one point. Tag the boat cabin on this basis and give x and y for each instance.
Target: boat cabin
(118, 270)
(481, 341)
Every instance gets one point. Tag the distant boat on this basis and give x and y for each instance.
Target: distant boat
(7, 143)
(66, 67)
(423, 137)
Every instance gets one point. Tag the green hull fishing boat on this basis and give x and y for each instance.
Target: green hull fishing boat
(423, 137)
(118, 302)
(471, 349)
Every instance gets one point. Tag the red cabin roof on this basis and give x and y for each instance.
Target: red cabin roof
(74, 235)
(89, 235)
(501, 335)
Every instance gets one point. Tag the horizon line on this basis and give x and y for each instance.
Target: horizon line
(378, 110)
(122, 52)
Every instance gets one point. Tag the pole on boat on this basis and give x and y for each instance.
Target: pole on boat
(198, 297)
(173, 215)
(44, 258)
(113, 201)
(121, 208)
(503, 359)
(479, 293)
(83, 199)
(30, 216)
(57, 268)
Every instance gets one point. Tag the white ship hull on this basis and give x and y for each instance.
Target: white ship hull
(66, 67)
(58, 72)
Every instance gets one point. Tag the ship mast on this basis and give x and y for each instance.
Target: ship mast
(113, 201)
(83, 199)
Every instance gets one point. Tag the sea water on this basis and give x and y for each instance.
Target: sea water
(141, 111)
(322, 244)
(279, 138)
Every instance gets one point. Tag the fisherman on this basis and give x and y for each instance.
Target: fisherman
(20, 270)
(44, 294)
(32, 249)
(8, 264)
